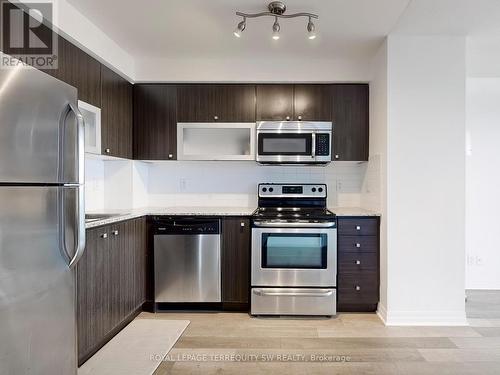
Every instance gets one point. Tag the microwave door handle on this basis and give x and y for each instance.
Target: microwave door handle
(313, 145)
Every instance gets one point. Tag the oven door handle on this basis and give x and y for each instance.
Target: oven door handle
(284, 224)
(326, 293)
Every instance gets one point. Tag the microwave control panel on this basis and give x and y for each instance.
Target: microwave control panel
(322, 144)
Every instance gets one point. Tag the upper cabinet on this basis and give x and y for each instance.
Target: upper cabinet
(350, 119)
(116, 114)
(216, 103)
(80, 70)
(155, 122)
(312, 102)
(309, 102)
(274, 102)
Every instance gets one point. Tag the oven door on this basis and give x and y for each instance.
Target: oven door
(294, 257)
(285, 147)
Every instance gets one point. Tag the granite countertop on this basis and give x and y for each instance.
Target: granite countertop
(352, 211)
(121, 215)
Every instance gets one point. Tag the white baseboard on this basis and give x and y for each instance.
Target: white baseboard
(421, 318)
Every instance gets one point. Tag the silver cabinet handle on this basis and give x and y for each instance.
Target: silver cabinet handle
(299, 118)
(104, 235)
(115, 233)
(358, 262)
(358, 227)
(357, 244)
(358, 288)
(260, 292)
(170, 156)
(287, 118)
(337, 156)
(242, 224)
(216, 117)
(107, 150)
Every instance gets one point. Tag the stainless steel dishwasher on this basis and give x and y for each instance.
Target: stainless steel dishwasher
(187, 255)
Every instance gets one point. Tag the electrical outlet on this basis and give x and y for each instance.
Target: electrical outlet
(183, 184)
(474, 260)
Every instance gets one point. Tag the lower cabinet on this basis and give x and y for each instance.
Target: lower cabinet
(111, 283)
(235, 263)
(358, 264)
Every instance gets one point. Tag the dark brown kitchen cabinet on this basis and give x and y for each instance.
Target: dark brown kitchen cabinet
(350, 122)
(78, 69)
(116, 114)
(235, 263)
(274, 102)
(358, 264)
(110, 283)
(155, 122)
(216, 103)
(312, 102)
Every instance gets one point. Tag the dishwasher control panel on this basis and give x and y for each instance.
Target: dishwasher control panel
(186, 226)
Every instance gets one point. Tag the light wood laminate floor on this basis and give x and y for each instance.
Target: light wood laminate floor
(235, 343)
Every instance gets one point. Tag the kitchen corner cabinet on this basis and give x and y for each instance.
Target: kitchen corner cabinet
(235, 263)
(155, 122)
(216, 103)
(350, 117)
(358, 264)
(111, 283)
(116, 114)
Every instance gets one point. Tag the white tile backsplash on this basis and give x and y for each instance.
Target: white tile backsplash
(130, 184)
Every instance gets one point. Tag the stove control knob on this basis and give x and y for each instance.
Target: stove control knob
(313, 190)
(264, 189)
(320, 190)
(271, 190)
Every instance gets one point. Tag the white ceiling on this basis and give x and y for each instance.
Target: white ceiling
(347, 29)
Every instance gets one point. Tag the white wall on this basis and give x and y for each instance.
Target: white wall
(483, 182)
(374, 190)
(125, 184)
(252, 70)
(425, 180)
(235, 183)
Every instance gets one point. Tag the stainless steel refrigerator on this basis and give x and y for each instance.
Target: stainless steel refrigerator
(42, 222)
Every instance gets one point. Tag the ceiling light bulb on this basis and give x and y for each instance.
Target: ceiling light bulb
(276, 29)
(239, 29)
(310, 29)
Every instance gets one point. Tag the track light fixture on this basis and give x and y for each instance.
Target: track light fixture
(276, 29)
(239, 29)
(277, 10)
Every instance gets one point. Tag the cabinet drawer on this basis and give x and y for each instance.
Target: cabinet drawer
(357, 262)
(358, 287)
(358, 226)
(358, 281)
(358, 244)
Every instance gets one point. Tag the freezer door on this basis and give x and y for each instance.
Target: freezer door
(38, 128)
(37, 286)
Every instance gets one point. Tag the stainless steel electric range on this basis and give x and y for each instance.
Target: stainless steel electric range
(294, 251)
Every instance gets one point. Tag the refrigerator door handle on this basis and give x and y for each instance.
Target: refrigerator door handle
(80, 200)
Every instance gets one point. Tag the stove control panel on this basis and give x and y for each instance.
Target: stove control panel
(292, 190)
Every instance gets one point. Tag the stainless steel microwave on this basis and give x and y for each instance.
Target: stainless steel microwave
(294, 142)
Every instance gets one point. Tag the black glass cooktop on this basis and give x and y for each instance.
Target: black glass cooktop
(293, 213)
